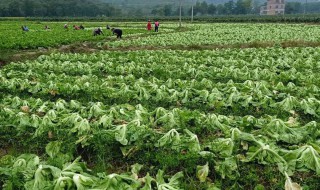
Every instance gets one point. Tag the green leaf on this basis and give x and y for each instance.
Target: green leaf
(135, 170)
(120, 134)
(63, 183)
(147, 181)
(192, 141)
(173, 181)
(228, 168)
(224, 147)
(82, 182)
(202, 172)
(53, 148)
(170, 138)
(289, 185)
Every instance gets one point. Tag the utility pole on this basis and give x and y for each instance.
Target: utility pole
(192, 12)
(180, 13)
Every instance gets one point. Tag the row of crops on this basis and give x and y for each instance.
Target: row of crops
(166, 119)
(226, 34)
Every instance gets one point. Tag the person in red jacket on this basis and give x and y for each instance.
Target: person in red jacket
(149, 25)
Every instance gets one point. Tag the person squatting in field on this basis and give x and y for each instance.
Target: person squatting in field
(97, 31)
(118, 32)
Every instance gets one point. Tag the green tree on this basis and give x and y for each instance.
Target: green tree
(212, 9)
(167, 9)
(197, 8)
(204, 8)
(313, 7)
(28, 8)
(293, 8)
(221, 9)
(14, 9)
(56, 8)
(243, 7)
(240, 7)
(229, 7)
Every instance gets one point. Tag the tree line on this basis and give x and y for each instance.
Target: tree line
(298, 7)
(203, 8)
(94, 8)
(56, 8)
(233, 7)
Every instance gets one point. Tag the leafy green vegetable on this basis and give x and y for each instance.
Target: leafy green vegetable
(202, 172)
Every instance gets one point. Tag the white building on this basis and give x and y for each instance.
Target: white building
(274, 7)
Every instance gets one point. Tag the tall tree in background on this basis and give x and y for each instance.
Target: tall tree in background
(212, 9)
(50, 8)
(167, 9)
(221, 9)
(28, 7)
(204, 8)
(229, 7)
(313, 7)
(14, 9)
(243, 7)
(293, 8)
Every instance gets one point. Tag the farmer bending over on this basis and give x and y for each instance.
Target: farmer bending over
(76, 27)
(25, 28)
(97, 31)
(117, 31)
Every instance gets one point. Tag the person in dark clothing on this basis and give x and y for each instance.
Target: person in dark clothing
(118, 32)
(25, 28)
(97, 31)
(81, 27)
(108, 27)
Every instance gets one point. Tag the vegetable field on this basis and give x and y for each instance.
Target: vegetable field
(166, 119)
(12, 37)
(224, 34)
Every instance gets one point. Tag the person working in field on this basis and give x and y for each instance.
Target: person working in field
(76, 27)
(156, 26)
(46, 27)
(97, 31)
(118, 32)
(65, 26)
(81, 27)
(25, 28)
(149, 25)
